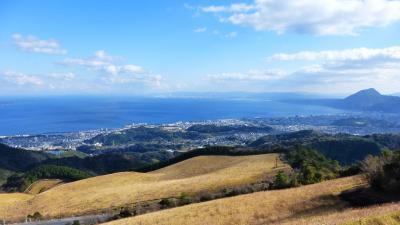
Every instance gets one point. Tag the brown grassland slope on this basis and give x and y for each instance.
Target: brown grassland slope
(97, 194)
(311, 204)
(42, 185)
(388, 214)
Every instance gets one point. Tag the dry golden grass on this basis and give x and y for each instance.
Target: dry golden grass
(10, 203)
(289, 206)
(374, 215)
(7, 199)
(388, 214)
(42, 185)
(314, 204)
(99, 193)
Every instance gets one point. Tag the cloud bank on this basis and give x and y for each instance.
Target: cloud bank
(348, 54)
(328, 71)
(328, 17)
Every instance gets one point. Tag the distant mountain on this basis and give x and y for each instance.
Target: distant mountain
(370, 100)
(364, 100)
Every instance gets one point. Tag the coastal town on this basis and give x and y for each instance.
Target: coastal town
(234, 135)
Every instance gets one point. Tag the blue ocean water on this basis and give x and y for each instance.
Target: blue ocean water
(35, 115)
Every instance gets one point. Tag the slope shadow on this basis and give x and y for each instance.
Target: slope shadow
(367, 196)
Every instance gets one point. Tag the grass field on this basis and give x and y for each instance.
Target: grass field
(42, 185)
(311, 204)
(387, 214)
(389, 219)
(97, 194)
(13, 202)
(308, 205)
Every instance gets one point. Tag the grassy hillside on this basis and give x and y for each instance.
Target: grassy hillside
(9, 199)
(309, 205)
(98, 194)
(389, 219)
(42, 185)
(287, 206)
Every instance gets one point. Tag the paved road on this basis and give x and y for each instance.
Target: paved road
(84, 220)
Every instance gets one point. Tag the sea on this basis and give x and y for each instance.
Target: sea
(40, 115)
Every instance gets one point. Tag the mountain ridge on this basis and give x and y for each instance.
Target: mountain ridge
(366, 100)
(371, 100)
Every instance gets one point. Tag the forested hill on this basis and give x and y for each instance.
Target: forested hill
(18, 159)
(345, 148)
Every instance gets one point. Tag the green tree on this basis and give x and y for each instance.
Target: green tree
(311, 166)
(282, 180)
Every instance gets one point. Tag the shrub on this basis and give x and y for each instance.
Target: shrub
(282, 180)
(125, 213)
(206, 197)
(185, 199)
(351, 170)
(383, 172)
(167, 203)
(35, 216)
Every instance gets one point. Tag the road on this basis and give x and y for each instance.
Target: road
(83, 220)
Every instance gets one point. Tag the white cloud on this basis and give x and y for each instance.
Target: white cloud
(104, 56)
(238, 7)
(33, 44)
(37, 80)
(252, 75)
(328, 17)
(328, 71)
(200, 30)
(131, 69)
(62, 76)
(114, 72)
(21, 78)
(348, 54)
(347, 70)
(342, 78)
(101, 61)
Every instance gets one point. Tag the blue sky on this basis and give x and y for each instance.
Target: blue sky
(143, 47)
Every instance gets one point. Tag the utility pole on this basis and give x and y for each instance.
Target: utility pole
(276, 162)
